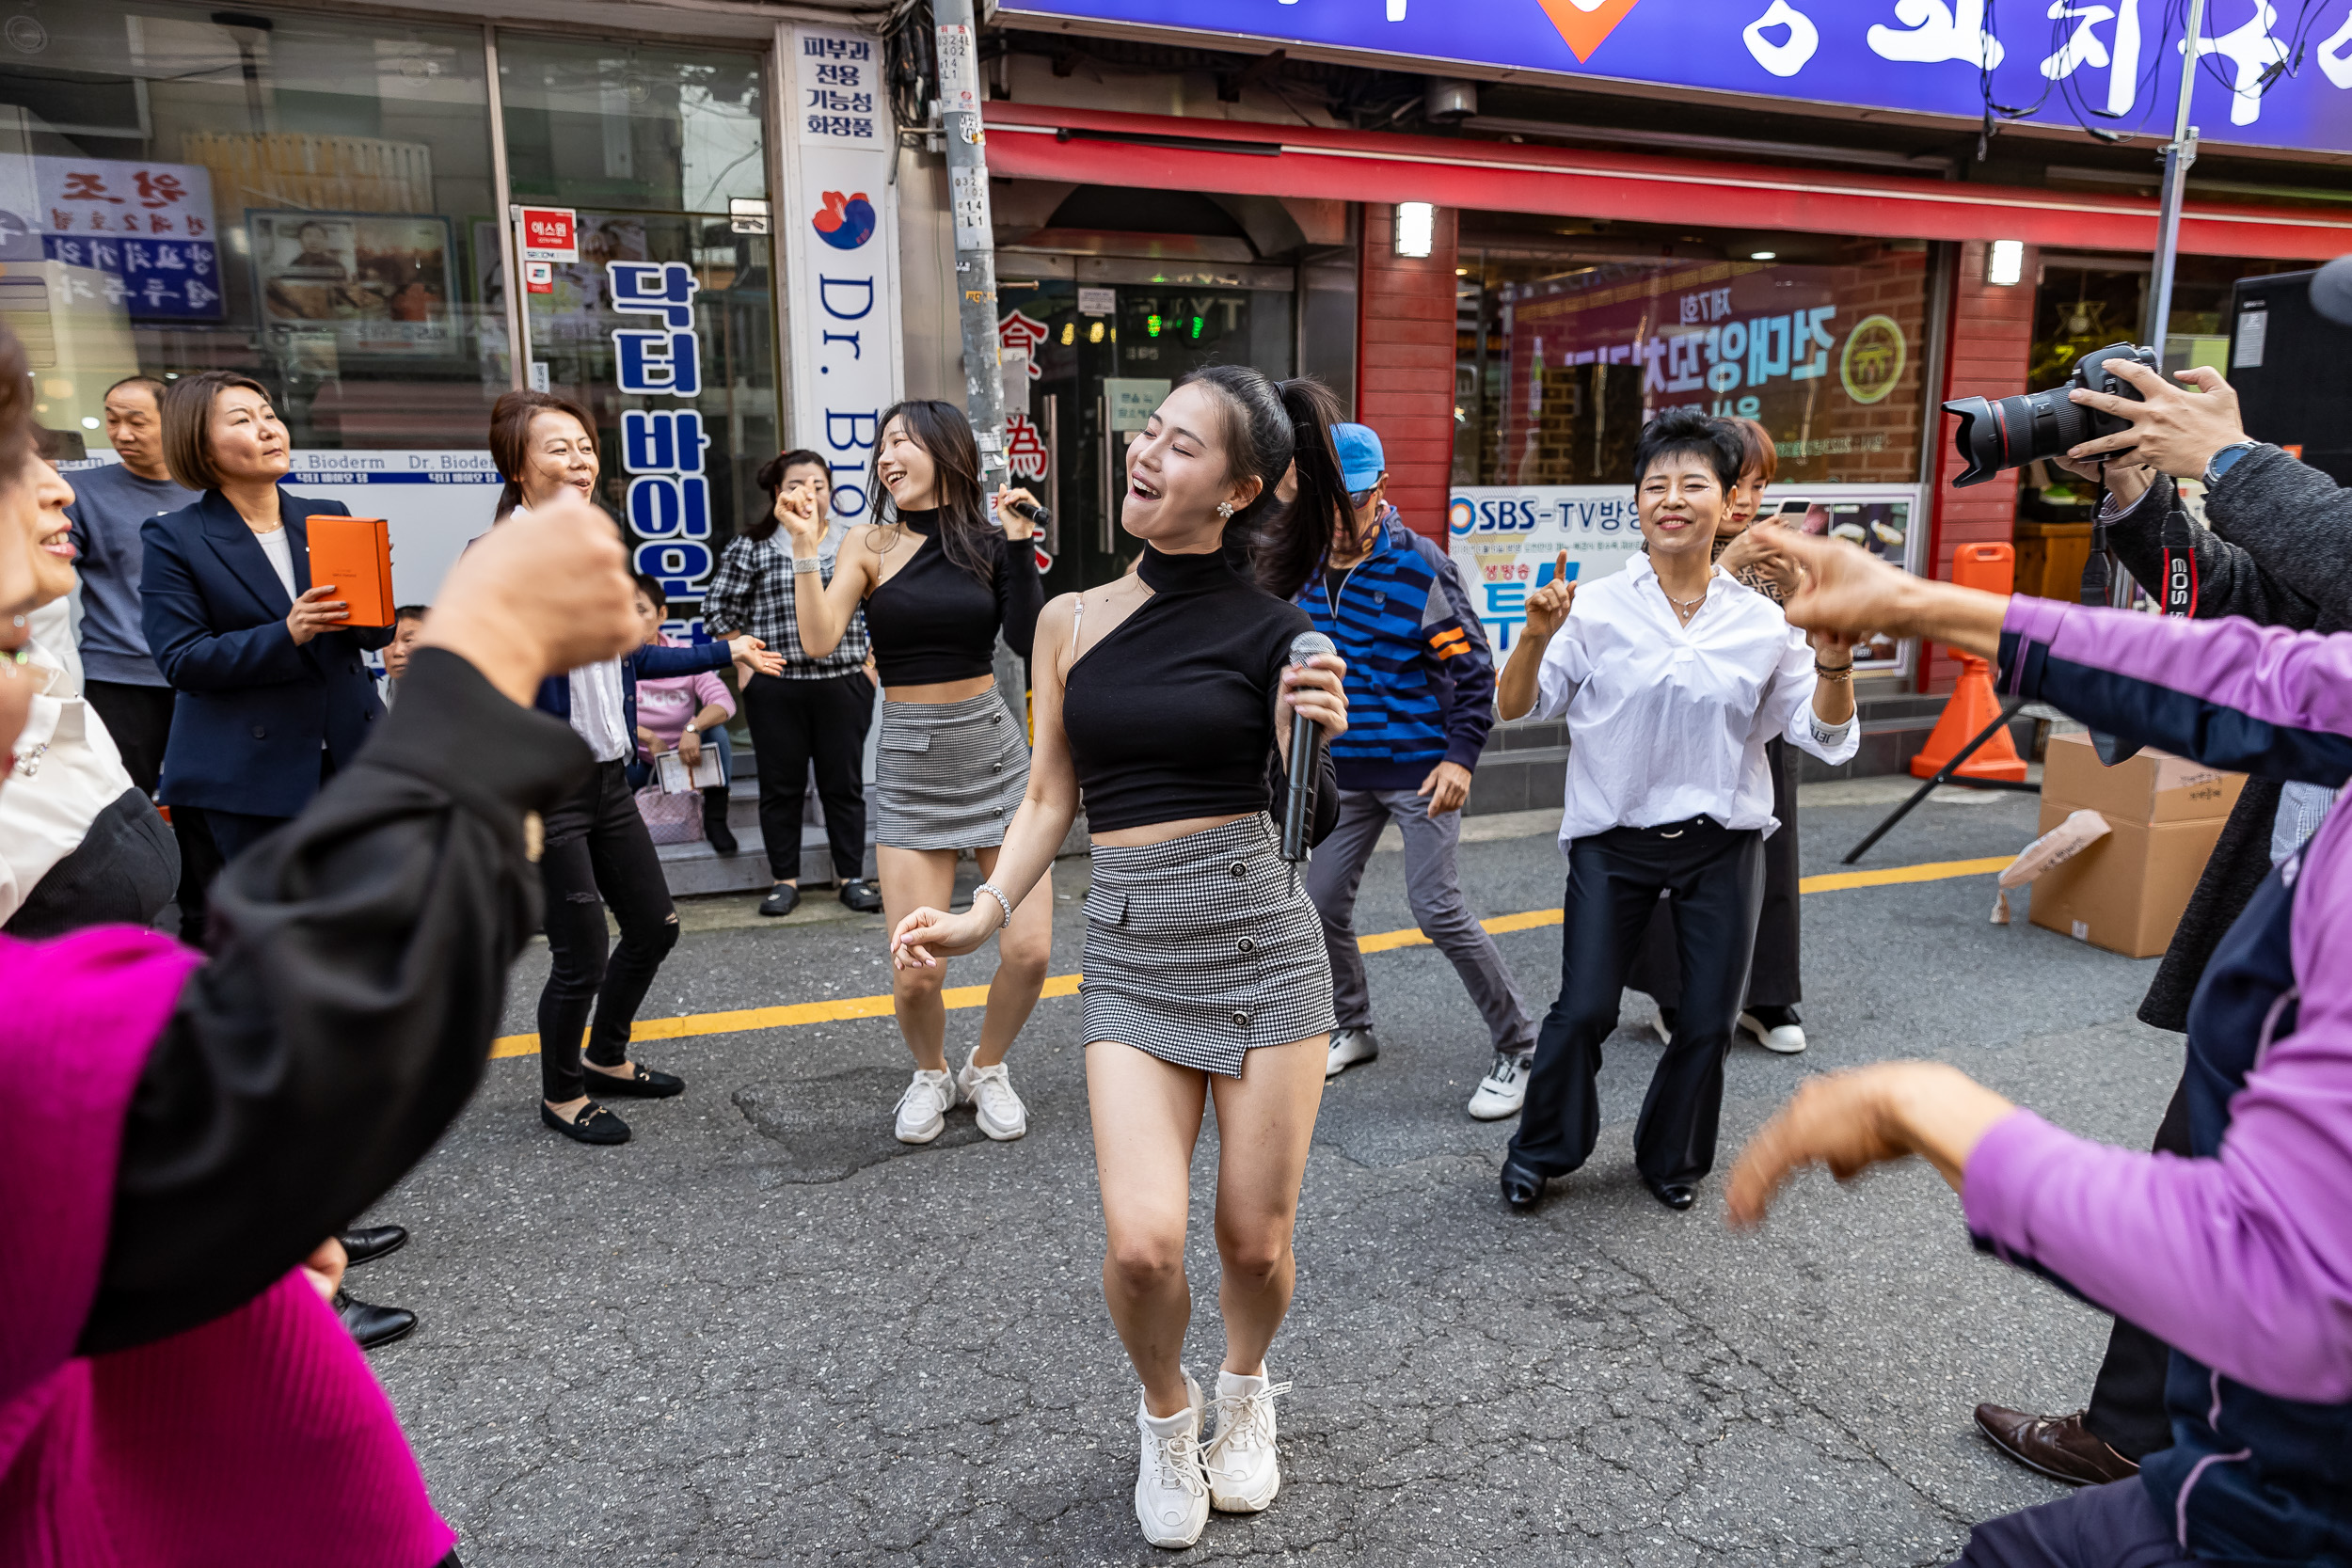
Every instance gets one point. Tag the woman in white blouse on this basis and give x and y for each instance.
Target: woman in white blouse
(1672, 677)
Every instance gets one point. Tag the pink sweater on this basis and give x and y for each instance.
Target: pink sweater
(258, 1439)
(666, 706)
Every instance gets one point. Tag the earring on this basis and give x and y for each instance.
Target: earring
(1225, 509)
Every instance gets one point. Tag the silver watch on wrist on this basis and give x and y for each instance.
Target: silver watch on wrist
(2223, 461)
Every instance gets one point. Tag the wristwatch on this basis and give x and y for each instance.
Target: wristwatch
(2225, 459)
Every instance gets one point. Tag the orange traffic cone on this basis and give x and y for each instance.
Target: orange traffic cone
(1973, 703)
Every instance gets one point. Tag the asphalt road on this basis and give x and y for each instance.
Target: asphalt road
(765, 1332)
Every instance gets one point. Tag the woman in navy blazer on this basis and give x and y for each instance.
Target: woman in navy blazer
(274, 695)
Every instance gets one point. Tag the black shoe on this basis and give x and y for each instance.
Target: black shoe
(372, 1325)
(782, 899)
(862, 896)
(640, 1083)
(1674, 1194)
(1522, 1188)
(715, 829)
(370, 1242)
(594, 1125)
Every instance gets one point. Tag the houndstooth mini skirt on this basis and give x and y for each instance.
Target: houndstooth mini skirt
(1202, 948)
(948, 775)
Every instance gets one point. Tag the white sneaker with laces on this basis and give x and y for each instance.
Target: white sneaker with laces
(1243, 1474)
(988, 1089)
(1172, 1488)
(1504, 1090)
(1348, 1047)
(1787, 1037)
(922, 1109)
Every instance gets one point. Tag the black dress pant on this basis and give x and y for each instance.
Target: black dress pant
(598, 852)
(1714, 876)
(794, 723)
(1774, 977)
(2128, 1401)
(140, 719)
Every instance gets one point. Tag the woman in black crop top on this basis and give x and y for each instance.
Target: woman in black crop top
(1162, 698)
(937, 582)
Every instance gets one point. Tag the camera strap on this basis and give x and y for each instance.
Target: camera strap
(2180, 563)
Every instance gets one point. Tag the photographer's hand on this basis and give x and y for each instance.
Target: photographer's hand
(2125, 482)
(2174, 430)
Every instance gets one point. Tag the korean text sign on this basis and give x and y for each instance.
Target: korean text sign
(2114, 64)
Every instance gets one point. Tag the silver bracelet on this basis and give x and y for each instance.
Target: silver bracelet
(806, 564)
(999, 893)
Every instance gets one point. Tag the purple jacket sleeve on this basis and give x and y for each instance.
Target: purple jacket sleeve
(2243, 1260)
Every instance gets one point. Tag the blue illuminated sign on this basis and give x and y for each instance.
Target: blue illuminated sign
(661, 448)
(2267, 76)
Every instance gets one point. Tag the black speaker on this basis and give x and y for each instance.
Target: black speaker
(2292, 367)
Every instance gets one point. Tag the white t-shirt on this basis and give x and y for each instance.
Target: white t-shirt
(278, 545)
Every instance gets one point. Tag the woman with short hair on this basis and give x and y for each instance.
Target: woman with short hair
(818, 709)
(596, 849)
(273, 694)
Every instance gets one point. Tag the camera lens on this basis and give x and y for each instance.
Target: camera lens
(1996, 434)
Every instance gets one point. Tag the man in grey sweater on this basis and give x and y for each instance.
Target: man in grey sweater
(2283, 556)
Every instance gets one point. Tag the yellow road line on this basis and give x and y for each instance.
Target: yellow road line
(744, 1018)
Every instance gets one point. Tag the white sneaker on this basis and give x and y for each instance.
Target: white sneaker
(988, 1089)
(922, 1109)
(1504, 1089)
(1348, 1047)
(1172, 1488)
(1243, 1474)
(1788, 1038)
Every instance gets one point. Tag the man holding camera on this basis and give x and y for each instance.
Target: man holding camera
(2282, 557)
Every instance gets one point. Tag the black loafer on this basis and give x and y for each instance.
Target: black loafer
(370, 1242)
(861, 894)
(594, 1125)
(782, 899)
(1674, 1194)
(640, 1083)
(1522, 1188)
(372, 1325)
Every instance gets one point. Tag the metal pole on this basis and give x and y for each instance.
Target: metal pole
(1943, 774)
(976, 242)
(517, 310)
(2178, 154)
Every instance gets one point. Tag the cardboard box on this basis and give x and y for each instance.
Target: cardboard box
(2153, 787)
(2126, 891)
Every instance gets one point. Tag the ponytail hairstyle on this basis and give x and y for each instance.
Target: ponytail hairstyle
(1757, 441)
(509, 437)
(1270, 425)
(940, 429)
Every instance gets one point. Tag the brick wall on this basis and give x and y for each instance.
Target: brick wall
(1405, 363)
(1991, 333)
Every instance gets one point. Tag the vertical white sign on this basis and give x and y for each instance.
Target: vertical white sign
(839, 225)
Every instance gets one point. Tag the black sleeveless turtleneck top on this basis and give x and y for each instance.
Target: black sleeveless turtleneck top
(1171, 715)
(933, 621)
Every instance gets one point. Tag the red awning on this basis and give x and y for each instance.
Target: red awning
(1257, 158)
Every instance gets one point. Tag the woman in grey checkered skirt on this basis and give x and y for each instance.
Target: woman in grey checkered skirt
(1163, 698)
(937, 583)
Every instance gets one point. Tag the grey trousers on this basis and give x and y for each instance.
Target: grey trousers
(1433, 889)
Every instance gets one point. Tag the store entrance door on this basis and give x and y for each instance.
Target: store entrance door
(1102, 359)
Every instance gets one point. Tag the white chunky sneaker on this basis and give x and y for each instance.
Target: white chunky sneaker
(1774, 1028)
(1243, 1474)
(1504, 1089)
(1348, 1047)
(988, 1089)
(922, 1109)
(1172, 1488)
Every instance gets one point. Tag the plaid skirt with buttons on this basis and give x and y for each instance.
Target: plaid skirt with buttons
(948, 775)
(1202, 948)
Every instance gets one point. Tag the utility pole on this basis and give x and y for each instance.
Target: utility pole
(976, 241)
(2178, 154)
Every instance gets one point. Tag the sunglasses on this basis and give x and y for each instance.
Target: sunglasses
(1360, 499)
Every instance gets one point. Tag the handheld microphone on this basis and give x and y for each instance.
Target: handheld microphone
(1031, 511)
(1304, 738)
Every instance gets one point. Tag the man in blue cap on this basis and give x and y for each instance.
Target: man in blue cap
(1421, 688)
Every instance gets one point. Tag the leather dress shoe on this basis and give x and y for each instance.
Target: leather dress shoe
(370, 1325)
(594, 1125)
(1674, 1194)
(1522, 1188)
(370, 1242)
(2060, 1446)
(639, 1082)
(861, 894)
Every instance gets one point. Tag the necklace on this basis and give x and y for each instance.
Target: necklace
(1684, 609)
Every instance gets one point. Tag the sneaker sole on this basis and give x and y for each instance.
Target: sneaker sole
(998, 1134)
(931, 1137)
(1495, 1114)
(1330, 1072)
(1172, 1544)
(1243, 1502)
(1763, 1038)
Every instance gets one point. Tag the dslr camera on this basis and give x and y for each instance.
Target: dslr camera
(2008, 433)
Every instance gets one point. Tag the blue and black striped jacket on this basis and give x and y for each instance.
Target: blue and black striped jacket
(1420, 679)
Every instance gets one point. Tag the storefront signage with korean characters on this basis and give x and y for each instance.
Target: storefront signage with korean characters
(840, 225)
(662, 447)
(548, 234)
(135, 234)
(2266, 76)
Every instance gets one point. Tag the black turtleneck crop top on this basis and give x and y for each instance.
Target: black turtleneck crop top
(1171, 715)
(933, 621)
